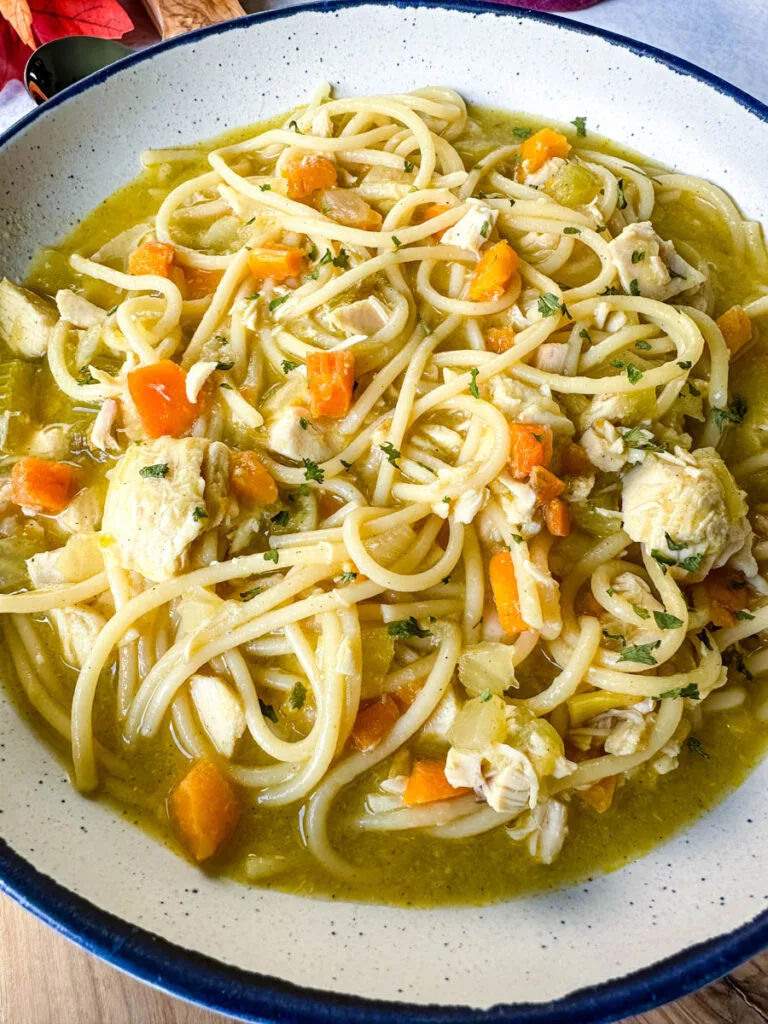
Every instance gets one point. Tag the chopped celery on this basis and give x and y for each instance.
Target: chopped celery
(487, 666)
(602, 522)
(583, 706)
(14, 551)
(16, 393)
(480, 723)
(536, 738)
(573, 185)
(378, 651)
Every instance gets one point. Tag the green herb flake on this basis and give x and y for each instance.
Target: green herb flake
(581, 126)
(571, 231)
(640, 653)
(84, 376)
(735, 413)
(692, 563)
(348, 577)
(634, 287)
(288, 365)
(485, 228)
(342, 260)
(158, 471)
(404, 629)
(618, 637)
(298, 696)
(665, 620)
(685, 364)
(265, 188)
(224, 366)
(326, 258)
(693, 390)
(199, 513)
(690, 690)
(638, 256)
(274, 303)
(585, 335)
(517, 538)
(294, 127)
(696, 747)
(622, 200)
(312, 471)
(473, 389)
(484, 697)
(549, 304)
(227, 387)
(408, 166)
(703, 635)
(312, 275)
(252, 297)
(632, 371)
(281, 518)
(390, 451)
(744, 616)
(268, 711)
(272, 556)
(424, 325)
(248, 595)
(346, 465)
(304, 422)
(641, 612)
(522, 133)
(312, 254)
(643, 346)
(396, 241)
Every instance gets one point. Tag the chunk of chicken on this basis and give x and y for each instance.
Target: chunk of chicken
(442, 718)
(77, 310)
(162, 496)
(77, 628)
(366, 316)
(605, 446)
(551, 357)
(501, 775)
(686, 506)
(26, 320)
(544, 828)
(522, 403)
(623, 407)
(80, 558)
(220, 711)
(472, 230)
(640, 255)
(83, 514)
(545, 172)
(294, 435)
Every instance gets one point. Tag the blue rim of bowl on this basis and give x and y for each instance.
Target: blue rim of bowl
(256, 997)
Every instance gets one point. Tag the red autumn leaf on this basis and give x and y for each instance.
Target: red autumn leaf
(17, 12)
(53, 19)
(13, 54)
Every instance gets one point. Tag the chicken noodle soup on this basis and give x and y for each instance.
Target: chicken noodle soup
(387, 501)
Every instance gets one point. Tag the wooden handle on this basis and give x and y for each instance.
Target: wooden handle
(173, 17)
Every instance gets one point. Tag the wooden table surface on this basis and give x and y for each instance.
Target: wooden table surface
(44, 979)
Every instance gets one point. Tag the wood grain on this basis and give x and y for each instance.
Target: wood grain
(173, 17)
(44, 979)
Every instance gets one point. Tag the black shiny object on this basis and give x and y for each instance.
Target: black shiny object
(62, 62)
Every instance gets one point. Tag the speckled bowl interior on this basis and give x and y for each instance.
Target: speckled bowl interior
(594, 949)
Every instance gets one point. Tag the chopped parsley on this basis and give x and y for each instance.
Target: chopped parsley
(692, 563)
(84, 376)
(424, 325)
(704, 637)
(428, 468)
(272, 556)
(390, 451)
(644, 346)
(673, 545)
(294, 127)
(227, 387)
(634, 287)
(484, 697)
(304, 422)
(342, 260)
(159, 470)
(636, 438)
(622, 200)
(619, 637)
(346, 465)
(396, 241)
(693, 390)
(611, 289)
(665, 620)
(581, 126)
(643, 613)
(408, 166)
(265, 188)
(685, 364)
(289, 365)
(735, 413)
(298, 696)
(274, 303)
(690, 690)
(571, 231)
(696, 747)
(199, 513)
(522, 133)
(252, 297)
(248, 595)
(549, 304)
(485, 228)
(348, 577)
(112, 310)
(585, 335)
(281, 518)
(268, 711)
(640, 653)
(312, 254)
(224, 366)
(744, 616)
(638, 256)
(473, 389)
(312, 471)
(517, 538)
(404, 629)
(312, 275)
(662, 559)
(632, 371)
(326, 258)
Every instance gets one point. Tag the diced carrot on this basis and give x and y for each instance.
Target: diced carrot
(277, 262)
(531, 446)
(500, 339)
(309, 173)
(435, 210)
(374, 722)
(495, 269)
(574, 460)
(42, 485)
(160, 396)
(557, 516)
(505, 596)
(204, 809)
(539, 148)
(600, 795)
(728, 594)
(545, 484)
(736, 328)
(250, 479)
(199, 283)
(427, 783)
(331, 377)
(152, 258)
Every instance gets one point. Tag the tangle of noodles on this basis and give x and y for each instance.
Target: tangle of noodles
(404, 486)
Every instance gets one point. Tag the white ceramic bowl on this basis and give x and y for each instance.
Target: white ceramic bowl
(621, 943)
